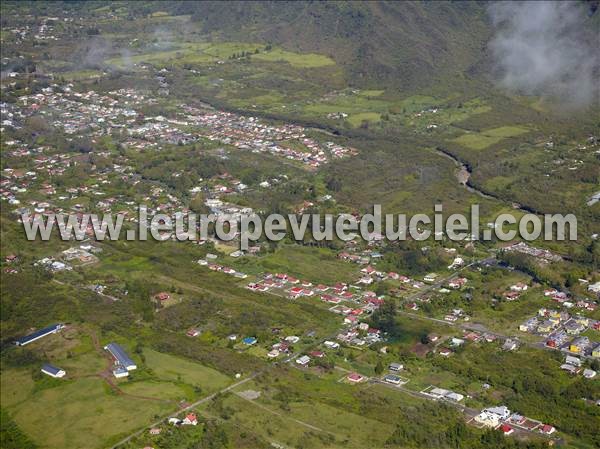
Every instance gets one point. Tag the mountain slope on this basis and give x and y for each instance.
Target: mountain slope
(402, 44)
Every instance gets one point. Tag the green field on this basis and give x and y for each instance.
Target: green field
(486, 138)
(168, 367)
(67, 415)
(315, 265)
(303, 60)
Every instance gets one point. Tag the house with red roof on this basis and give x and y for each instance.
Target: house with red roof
(376, 301)
(193, 333)
(368, 270)
(162, 296)
(351, 319)
(511, 296)
(457, 283)
(296, 292)
(190, 420)
(547, 429)
(355, 377)
(506, 429)
(340, 286)
(445, 352)
(330, 298)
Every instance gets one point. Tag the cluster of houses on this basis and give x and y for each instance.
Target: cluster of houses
(515, 291)
(252, 134)
(565, 301)
(295, 288)
(357, 333)
(540, 254)
(562, 331)
(82, 256)
(283, 347)
(500, 417)
(118, 113)
(190, 419)
(443, 394)
(222, 269)
(573, 365)
(507, 344)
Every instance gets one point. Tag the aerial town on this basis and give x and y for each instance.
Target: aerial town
(126, 111)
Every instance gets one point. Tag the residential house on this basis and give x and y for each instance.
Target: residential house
(506, 429)
(430, 278)
(573, 361)
(519, 287)
(529, 325)
(502, 412)
(547, 429)
(392, 379)
(573, 328)
(395, 366)
(457, 283)
(579, 345)
(545, 327)
(510, 345)
(445, 352)
(355, 377)
(190, 420)
(303, 360)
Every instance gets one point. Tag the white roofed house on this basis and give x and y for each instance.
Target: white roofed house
(502, 412)
(303, 361)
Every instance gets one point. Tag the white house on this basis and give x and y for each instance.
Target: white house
(501, 412)
(303, 361)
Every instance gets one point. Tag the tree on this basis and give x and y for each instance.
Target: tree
(384, 318)
(197, 204)
(379, 367)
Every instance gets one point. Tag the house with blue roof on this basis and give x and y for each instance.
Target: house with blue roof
(54, 328)
(53, 371)
(122, 360)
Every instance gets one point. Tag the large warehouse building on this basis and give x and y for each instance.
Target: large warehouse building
(39, 334)
(121, 358)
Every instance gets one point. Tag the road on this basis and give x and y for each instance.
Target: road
(187, 408)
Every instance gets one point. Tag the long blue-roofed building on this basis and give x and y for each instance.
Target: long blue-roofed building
(53, 371)
(120, 356)
(39, 334)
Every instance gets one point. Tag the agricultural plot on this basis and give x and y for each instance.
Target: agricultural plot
(486, 138)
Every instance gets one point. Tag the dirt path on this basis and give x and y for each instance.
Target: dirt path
(282, 415)
(185, 409)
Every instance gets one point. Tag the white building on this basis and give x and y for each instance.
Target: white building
(53, 371)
